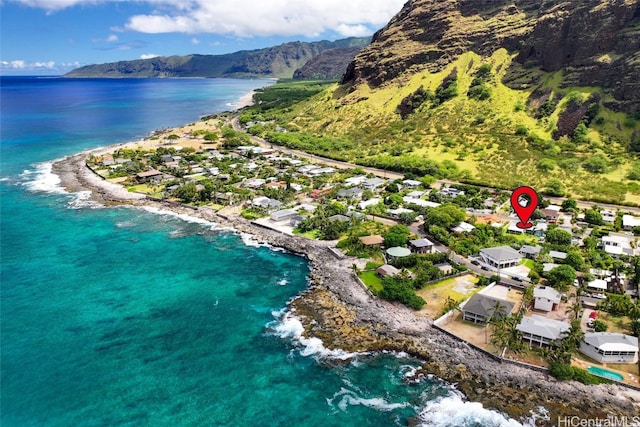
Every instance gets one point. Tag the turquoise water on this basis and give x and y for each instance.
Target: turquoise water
(605, 373)
(126, 317)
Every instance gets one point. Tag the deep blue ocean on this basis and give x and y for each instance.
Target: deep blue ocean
(127, 317)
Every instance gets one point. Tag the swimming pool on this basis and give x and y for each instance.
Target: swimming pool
(605, 373)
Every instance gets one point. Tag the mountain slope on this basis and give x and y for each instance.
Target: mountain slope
(328, 64)
(278, 61)
(595, 42)
(471, 90)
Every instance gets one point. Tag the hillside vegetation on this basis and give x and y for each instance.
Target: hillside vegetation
(463, 123)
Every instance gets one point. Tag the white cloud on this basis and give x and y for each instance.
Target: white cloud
(195, 41)
(55, 5)
(246, 18)
(112, 38)
(148, 56)
(19, 64)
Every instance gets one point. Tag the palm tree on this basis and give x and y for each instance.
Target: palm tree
(575, 309)
(574, 335)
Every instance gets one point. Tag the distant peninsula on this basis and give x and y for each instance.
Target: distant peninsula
(273, 62)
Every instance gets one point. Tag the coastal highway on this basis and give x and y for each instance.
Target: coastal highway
(234, 121)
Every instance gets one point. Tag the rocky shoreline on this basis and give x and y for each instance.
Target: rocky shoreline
(339, 311)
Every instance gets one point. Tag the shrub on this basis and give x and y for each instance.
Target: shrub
(522, 130)
(595, 164)
(599, 326)
(565, 372)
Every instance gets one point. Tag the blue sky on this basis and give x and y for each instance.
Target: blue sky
(44, 37)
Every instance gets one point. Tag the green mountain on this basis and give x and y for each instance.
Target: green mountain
(278, 61)
(498, 92)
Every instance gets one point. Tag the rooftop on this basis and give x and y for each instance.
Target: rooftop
(611, 341)
(542, 326)
(485, 305)
(546, 292)
(501, 253)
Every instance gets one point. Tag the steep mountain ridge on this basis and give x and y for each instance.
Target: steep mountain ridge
(277, 61)
(328, 64)
(594, 42)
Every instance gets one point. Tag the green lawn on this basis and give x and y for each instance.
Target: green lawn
(313, 234)
(372, 280)
(529, 263)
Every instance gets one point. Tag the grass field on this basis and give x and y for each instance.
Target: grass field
(372, 280)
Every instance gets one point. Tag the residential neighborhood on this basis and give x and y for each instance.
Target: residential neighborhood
(563, 292)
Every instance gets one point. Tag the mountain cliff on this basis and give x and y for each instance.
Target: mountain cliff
(328, 64)
(278, 61)
(593, 42)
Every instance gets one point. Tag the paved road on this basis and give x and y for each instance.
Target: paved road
(394, 175)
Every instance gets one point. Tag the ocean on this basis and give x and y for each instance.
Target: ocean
(132, 317)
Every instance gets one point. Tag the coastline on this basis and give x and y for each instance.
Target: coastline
(339, 311)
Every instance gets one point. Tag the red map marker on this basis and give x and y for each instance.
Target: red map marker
(524, 206)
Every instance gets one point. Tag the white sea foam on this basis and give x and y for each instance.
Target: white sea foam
(184, 217)
(454, 411)
(288, 326)
(283, 282)
(42, 179)
(350, 398)
(83, 201)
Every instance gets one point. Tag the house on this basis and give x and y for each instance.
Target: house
(463, 227)
(149, 176)
(530, 252)
(373, 183)
(387, 270)
(558, 255)
(411, 183)
(355, 180)
(350, 193)
(545, 298)
(283, 215)
(551, 215)
(541, 331)
(320, 171)
(445, 267)
(610, 347)
(265, 202)
(397, 252)
(254, 183)
(358, 216)
(367, 203)
(422, 246)
(375, 240)
(501, 257)
(548, 266)
(597, 285)
(451, 192)
(514, 229)
(395, 213)
(481, 308)
(414, 194)
(339, 218)
(608, 217)
(419, 202)
(628, 222)
(617, 244)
